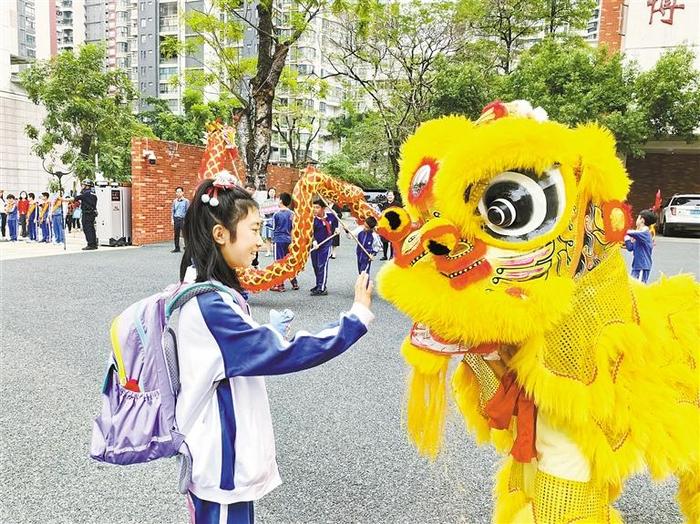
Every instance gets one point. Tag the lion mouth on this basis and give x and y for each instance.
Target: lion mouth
(465, 264)
(422, 337)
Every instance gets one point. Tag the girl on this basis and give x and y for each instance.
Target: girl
(12, 213)
(224, 354)
(271, 207)
(22, 208)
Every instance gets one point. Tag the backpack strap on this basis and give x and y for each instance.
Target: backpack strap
(189, 291)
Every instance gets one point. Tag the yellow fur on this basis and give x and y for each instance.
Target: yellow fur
(611, 362)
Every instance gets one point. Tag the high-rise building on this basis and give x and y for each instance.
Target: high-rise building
(70, 24)
(25, 29)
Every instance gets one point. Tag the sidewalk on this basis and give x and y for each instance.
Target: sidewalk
(75, 242)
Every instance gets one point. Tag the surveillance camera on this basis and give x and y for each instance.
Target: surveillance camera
(149, 155)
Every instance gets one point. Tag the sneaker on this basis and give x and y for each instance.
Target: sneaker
(295, 287)
(89, 248)
(315, 288)
(279, 289)
(319, 292)
(383, 258)
(175, 251)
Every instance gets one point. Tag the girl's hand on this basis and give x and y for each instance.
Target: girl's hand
(363, 290)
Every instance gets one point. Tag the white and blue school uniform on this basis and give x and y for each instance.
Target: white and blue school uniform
(12, 218)
(282, 222)
(57, 220)
(372, 243)
(641, 245)
(224, 355)
(323, 228)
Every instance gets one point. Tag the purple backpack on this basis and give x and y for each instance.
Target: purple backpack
(137, 423)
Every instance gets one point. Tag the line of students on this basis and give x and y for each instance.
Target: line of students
(46, 216)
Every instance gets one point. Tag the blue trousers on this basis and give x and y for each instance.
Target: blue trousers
(281, 251)
(319, 260)
(32, 228)
(363, 263)
(206, 512)
(45, 234)
(57, 221)
(12, 224)
(641, 274)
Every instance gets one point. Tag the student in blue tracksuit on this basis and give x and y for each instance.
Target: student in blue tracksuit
(57, 219)
(32, 216)
(282, 234)
(641, 243)
(12, 216)
(224, 355)
(325, 226)
(370, 241)
(44, 217)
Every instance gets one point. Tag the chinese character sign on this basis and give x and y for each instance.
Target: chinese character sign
(665, 8)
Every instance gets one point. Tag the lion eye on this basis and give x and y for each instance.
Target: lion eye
(518, 206)
(419, 192)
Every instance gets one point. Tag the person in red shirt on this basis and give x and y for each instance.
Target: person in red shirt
(23, 208)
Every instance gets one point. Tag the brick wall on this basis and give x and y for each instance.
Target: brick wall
(672, 173)
(609, 31)
(283, 179)
(153, 185)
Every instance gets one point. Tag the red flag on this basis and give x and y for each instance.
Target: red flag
(657, 202)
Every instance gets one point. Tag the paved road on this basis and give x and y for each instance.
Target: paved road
(342, 448)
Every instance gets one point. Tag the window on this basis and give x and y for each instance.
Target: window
(143, 22)
(322, 107)
(283, 152)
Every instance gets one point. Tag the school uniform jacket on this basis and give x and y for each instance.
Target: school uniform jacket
(220, 346)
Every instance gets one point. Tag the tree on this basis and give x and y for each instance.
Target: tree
(392, 55)
(189, 127)
(251, 81)
(88, 113)
(669, 96)
(362, 159)
(466, 82)
(295, 119)
(515, 23)
(576, 83)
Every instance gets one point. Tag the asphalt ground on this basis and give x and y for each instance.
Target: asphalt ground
(340, 431)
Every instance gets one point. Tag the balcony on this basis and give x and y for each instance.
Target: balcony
(168, 24)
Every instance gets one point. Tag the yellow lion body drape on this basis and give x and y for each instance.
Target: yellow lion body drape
(508, 257)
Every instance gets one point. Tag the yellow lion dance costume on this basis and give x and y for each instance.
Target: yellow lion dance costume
(507, 255)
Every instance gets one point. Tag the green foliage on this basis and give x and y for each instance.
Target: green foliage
(88, 113)
(466, 82)
(362, 159)
(510, 23)
(189, 127)
(669, 95)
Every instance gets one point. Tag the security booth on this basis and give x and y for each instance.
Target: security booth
(113, 223)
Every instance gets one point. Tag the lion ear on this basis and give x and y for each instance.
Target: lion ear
(603, 176)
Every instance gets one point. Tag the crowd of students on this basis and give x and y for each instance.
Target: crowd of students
(42, 219)
(276, 215)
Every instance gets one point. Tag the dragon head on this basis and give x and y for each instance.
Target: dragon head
(501, 216)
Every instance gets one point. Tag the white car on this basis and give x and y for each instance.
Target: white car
(680, 213)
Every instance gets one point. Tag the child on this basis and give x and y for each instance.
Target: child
(370, 241)
(32, 214)
(44, 217)
(224, 354)
(12, 216)
(325, 226)
(57, 219)
(641, 243)
(282, 234)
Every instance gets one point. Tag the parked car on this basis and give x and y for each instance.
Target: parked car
(680, 213)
